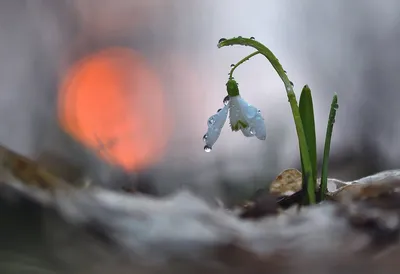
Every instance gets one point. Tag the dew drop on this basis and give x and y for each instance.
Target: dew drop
(292, 83)
(205, 137)
(284, 71)
(259, 111)
(221, 40)
(252, 38)
(240, 37)
(252, 131)
(250, 112)
(226, 100)
(232, 65)
(219, 110)
(207, 148)
(211, 121)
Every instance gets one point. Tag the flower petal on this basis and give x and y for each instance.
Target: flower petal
(255, 121)
(215, 124)
(259, 127)
(236, 114)
(249, 111)
(246, 118)
(252, 117)
(247, 132)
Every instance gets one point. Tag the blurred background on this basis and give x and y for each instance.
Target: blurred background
(120, 91)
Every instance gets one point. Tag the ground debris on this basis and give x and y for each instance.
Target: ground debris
(263, 205)
(368, 187)
(287, 182)
(361, 220)
(27, 171)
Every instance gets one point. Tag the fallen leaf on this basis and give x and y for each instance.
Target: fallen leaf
(287, 183)
(27, 171)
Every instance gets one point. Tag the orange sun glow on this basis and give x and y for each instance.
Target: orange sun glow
(113, 103)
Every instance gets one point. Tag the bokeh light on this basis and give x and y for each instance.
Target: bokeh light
(113, 103)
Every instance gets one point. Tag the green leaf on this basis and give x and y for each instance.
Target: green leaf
(328, 137)
(307, 117)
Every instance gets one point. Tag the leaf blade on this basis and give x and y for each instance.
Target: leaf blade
(327, 146)
(306, 108)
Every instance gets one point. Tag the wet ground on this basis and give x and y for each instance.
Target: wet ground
(50, 226)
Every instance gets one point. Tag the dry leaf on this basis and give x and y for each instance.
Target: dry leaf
(370, 189)
(287, 183)
(290, 181)
(27, 171)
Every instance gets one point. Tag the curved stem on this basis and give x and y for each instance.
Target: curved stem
(241, 62)
(308, 172)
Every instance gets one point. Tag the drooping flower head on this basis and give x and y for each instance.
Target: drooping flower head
(242, 116)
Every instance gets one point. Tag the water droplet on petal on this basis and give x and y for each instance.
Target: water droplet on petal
(205, 137)
(207, 148)
(219, 110)
(258, 111)
(252, 131)
(226, 100)
(211, 121)
(221, 40)
(252, 38)
(250, 112)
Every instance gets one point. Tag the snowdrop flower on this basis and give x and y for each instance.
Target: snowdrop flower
(242, 115)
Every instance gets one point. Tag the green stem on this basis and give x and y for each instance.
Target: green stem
(293, 104)
(241, 62)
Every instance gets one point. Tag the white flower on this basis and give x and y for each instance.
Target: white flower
(242, 115)
(247, 118)
(215, 124)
